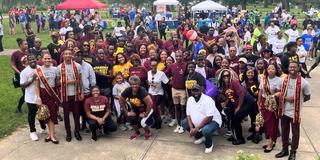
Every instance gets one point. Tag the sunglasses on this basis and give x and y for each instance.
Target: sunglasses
(86, 45)
(226, 75)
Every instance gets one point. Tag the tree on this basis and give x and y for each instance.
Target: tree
(266, 3)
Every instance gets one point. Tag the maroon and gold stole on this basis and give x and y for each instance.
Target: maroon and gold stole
(266, 86)
(64, 84)
(47, 87)
(297, 96)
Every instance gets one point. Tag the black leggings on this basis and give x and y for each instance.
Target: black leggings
(1, 46)
(21, 100)
(236, 118)
(163, 34)
(32, 116)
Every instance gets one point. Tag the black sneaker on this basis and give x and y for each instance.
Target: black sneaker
(94, 137)
(60, 118)
(78, 136)
(292, 156)
(238, 142)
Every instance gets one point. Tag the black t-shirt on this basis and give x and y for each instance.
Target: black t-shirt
(196, 78)
(251, 59)
(136, 101)
(54, 50)
(101, 69)
(286, 58)
(204, 29)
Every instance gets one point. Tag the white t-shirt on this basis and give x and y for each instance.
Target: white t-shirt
(203, 108)
(278, 45)
(1, 29)
(201, 70)
(116, 91)
(64, 30)
(289, 107)
(117, 31)
(302, 53)
(156, 80)
(50, 74)
(30, 91)
(292, 35)
(247, 37)
(272, 32)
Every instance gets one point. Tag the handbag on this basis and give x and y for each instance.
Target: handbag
(271, 103)
(43, 113)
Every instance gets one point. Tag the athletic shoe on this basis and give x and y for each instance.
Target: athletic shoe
(200, 140)
(181, 130)
(128, 126)
(44, 131)
(172, 123)
(209, 150)
(34, 136)
(177, 129)
(147, 135)
(122, 127)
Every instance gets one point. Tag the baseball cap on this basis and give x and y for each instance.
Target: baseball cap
(244, 60)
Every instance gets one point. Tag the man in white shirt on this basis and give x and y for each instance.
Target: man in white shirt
(203, 118)
(119, 30)
(272, 31)
(66, 28)
(292, 33)
(278, 43)
(27, 81)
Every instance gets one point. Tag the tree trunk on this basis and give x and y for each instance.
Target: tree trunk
(285, 5)
(244, 4)
(266, 3)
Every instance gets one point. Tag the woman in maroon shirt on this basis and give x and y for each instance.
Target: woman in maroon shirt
(138, 70)
(18, 63)
(99, 113)
(237, 104)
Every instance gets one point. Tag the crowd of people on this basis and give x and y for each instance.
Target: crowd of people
(131, 79)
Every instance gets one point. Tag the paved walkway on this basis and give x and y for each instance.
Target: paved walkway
(164, 144)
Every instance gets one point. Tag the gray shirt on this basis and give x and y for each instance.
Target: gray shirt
(289, 107)
(88, 77)
(50, 74)
(71, 88)
(274, 84)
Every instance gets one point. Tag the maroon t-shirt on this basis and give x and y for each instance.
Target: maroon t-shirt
(147, 65)
(97, 108)
(233, 91)
(141, 72)
(17, 59)
(235, 64)
(177, 72)
(169, 43)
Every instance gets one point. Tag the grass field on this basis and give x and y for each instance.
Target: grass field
(9, 120)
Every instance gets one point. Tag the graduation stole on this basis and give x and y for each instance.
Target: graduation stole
(47, 87)
(297, 96)
(266, 86)
(64, 81)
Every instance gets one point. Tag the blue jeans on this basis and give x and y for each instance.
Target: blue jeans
(206, 131)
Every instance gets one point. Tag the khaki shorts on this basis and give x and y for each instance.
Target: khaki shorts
(179, 96)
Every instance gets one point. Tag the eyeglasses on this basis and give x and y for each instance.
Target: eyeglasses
(86, 45)
(226, 75)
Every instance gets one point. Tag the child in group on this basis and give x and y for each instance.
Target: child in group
(117, 89)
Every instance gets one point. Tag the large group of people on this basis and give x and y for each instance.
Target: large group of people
(132, 79)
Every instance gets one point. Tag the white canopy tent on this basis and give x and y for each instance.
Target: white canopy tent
(208, 5)
(166, 2)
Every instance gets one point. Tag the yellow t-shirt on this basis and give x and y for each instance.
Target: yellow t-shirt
(119, 50)
(161, 66)
(124, 69)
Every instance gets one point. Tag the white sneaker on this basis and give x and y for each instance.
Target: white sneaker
(129, 126)
(208, 150)
(44, 131)
(199, 141)
(122, 127)
(34, 136)
(172, 123)
(177, 129)
(181, 130)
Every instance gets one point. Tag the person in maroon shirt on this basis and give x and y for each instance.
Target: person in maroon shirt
(169, 43)
(18, 63)
(138, 70)
(98, 112)
(142, 38)
(109, 54)
(237, 104)
(178, 71)
(155, 40)
(89, 36)
(129, 49)
(234, 59)
(152, 54)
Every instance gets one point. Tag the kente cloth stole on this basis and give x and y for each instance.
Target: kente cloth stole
(47, 87)
(64, 81)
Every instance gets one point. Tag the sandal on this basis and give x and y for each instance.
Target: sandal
(48, 139)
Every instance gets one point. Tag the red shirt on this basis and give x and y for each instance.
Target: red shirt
(177, 72)
(233, 91)
(97, 108)
(17, 59)
(141, 72)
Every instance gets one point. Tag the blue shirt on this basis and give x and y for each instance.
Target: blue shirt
(307, 40)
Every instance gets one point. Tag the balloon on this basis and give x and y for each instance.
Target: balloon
(192, 35)
(211, 90)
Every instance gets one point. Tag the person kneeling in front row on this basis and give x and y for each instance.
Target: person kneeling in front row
(98, 112)
(203, 118)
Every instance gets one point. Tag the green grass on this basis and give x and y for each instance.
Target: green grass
(9, 97)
